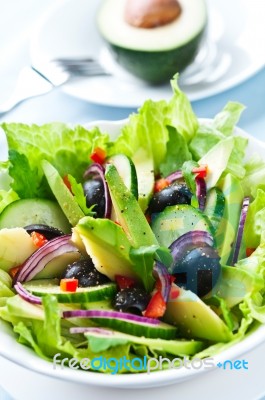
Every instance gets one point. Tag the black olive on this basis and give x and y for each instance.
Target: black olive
(171, 195)
(198, 270)
(131, 299)
(86, 274)
(48, 231)
(94, 192)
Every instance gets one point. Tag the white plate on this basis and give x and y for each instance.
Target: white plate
(25, 357)
(234, 51)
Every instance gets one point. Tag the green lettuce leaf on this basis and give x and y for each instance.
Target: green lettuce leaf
(226, 120)
(180, 114)
(78, 192)
(212, 132)
(255, 221)
(146, 130)
(255, 176)
(177, 152)
(188, 175)
(7, 197)
(143, 259)
(57, 143)
(27, 182)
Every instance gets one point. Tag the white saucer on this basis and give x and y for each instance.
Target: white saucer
(234, 51)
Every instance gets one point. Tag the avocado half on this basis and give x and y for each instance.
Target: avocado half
(155, 54)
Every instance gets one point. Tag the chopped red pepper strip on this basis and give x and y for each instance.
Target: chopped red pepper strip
(201, 171)
(13, 271)
(158, 282)
(161, 184)
(249, 251)
(156, 307)
(38, 239)
(124, 282)
(174, 292)
(148, 218)
(69, 285)
(98, 155)
(67, 183)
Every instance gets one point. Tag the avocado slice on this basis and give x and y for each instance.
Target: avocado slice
(153, 54)
(216, 160)
(144, 166)
(63, 195)
(195, 319)
(128, 211)
(107, 245)
(107, 338)
(227, 230)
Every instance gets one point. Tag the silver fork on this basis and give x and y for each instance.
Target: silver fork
(35, 81)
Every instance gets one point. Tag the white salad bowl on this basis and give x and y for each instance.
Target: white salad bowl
(23, 373)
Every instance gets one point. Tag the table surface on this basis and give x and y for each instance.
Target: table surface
(57, 106)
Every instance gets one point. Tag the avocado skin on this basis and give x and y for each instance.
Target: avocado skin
(226, 233)
(157, 67)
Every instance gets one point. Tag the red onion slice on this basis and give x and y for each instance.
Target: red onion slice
(164, 277)
(201, 192)
(97, 171)
(174, 176)
(240, 230)
(98, 331)
(188, 241)
(38, 260)
(22, 292)
(109, 314)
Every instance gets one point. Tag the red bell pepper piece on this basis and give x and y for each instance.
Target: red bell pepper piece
(67, 183)
(13, 271)
(201, 171)
(38, 239)
(124, 282)
(98, 155)
(249, 251)
(156, 307)
(161, 184)
(69, 285)
(174, 292)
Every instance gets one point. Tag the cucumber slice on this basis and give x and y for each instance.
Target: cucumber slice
(25, 212)
(127, 172)
(160, 330)
(174, 221)
(215, 206)
(42, 287)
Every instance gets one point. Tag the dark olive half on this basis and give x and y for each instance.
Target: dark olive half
(48, 231)
(132, 300)
(171, 195)
(86, 273)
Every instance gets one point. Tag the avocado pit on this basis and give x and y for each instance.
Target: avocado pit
(151, 13)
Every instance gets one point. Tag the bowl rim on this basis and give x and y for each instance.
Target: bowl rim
(28, 359)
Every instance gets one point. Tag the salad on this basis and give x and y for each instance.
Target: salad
(148, 245)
